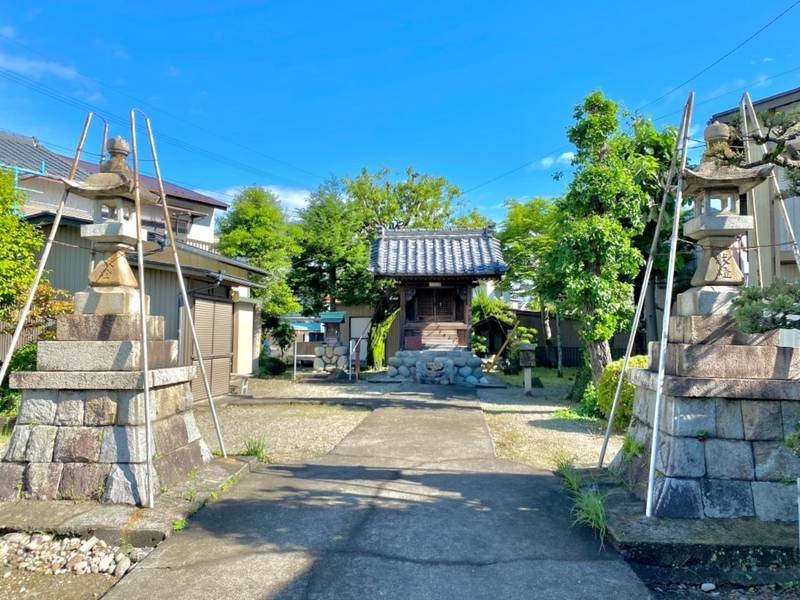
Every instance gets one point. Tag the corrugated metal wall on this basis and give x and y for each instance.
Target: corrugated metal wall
(68, 263)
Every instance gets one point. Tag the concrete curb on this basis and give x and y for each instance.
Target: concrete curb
(119, 524)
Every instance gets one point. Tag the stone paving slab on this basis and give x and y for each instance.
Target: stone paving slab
(412, 504)
(116, 523)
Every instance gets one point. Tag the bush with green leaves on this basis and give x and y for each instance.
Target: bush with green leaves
(23, 359)
(269, 366)
(776, 306)
(607, 385)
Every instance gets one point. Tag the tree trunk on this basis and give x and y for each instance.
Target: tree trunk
(650, 315)
(560, 362)
(599, 357)
(332, 288)
(545, 315)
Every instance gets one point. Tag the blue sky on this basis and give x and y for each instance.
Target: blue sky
(283, 94)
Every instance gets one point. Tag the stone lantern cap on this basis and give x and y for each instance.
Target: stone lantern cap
(713, 175)
(114, 180)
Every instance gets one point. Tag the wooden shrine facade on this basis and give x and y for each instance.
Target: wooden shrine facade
(436, 271)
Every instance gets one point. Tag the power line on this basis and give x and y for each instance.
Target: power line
(175, 117)
(724, 56)
(113, 118)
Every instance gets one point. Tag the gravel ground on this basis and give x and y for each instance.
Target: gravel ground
(525, 428)
(280, 387)
(293, 432)
(766, 592)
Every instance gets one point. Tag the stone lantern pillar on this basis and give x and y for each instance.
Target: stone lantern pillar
(80, 432)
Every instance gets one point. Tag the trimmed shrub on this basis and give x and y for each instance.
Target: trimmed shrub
(607, 385)
(269, 366)
(588, 405)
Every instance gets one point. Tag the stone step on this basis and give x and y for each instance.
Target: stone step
(107, 328)
(715, 329)
(728, 361)
(104, 356)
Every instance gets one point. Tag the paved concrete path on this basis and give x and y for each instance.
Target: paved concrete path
(412, 504)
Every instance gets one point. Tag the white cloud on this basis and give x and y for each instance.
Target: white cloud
(762, 81)
(7, 32)
(36, 69)
(292, 199)
(565, 158)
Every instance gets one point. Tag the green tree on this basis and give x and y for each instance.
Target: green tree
(19, 245)
(418, 201)
(471, 220)
(588, 270)
(334, 252)
(257, 229)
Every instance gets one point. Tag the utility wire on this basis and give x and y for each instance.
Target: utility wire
(163, 138)
(724, 56)
(216, 134)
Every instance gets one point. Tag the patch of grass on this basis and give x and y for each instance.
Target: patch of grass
(565, 468)
(191, 495)
(793, 439)
(548, 377)
(631, 448)
(570, 414)
(228, 484)
(179, 524)
(254, 446)
(589, 510)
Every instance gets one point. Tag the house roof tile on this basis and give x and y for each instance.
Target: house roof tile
(441, 253)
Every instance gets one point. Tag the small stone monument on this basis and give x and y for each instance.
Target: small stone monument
(730, 399)
(80, 433)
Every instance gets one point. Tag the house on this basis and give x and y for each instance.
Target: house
(776, 260)
(227, 317)
(436, 271)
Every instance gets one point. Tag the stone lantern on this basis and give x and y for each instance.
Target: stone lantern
(80, 433)
(112, 282)
(717, 223)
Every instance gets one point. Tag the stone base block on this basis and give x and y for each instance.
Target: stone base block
(174, 466)
(10, 481)
(105, 356)
(98, 380)
(107, 328)
(709, 300)
(109, 301)
(80, 481)
(717, 329)
(728, 361)
(42, 480)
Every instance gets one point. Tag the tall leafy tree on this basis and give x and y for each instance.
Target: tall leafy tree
(419, 200)
(471, 220)
(589, 269)
(256, 228)
(332, 262)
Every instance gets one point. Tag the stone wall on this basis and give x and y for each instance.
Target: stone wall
(330, 357)
(80, 432)
(436, 366)
(722, 449)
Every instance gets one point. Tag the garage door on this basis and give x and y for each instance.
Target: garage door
(214, 323)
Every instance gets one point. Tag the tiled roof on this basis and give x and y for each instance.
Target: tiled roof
(399, 253)
(29, 153)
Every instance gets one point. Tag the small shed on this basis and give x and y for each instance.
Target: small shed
(436, 271)
(332, 322)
